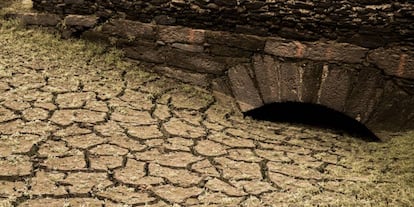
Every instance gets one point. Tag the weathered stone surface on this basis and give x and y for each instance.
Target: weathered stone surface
(335, 87)
(146, 53)
(129, 30)
(40, 19)
(172, 34)
(267, 71)
(247, 42)
(80, 20)
(243, 88)
(395, 61)
(328, 51)
(195, 62)
(365, 94)
(290, 82)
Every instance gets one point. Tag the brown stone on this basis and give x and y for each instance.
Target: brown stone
(335, 87)
(267, 72)
(326, 51)
(365, 94)
(80, 20)
(243, 88)
(146, 53)
(173, 34)
(248, 42)
(290, 82)
(395, 61)
(40, 19)
(129, 29)
(194, 62)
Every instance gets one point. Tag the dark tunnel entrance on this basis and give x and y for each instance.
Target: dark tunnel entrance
(312, 115)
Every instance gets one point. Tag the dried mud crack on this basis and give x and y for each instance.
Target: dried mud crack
(81, 127)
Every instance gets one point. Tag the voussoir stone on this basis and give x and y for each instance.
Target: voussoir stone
(243, 88)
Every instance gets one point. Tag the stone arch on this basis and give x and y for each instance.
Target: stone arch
(361, 92)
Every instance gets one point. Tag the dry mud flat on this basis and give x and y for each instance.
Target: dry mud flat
(81, 127)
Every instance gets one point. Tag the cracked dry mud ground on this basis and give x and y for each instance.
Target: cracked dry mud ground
(80, 127)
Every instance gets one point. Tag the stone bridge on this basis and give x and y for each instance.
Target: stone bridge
(355, 57)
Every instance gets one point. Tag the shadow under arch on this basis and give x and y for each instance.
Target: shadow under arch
(313, 115)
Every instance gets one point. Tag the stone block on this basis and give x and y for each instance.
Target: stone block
(311, 79)
(195, 62)
(283, 48)
(171, 34)
(395, 61)
(242, 41)
(81, 21)
(290, 82)
(365, 94)
(40, 19)
(148, 54)
(222, 50)
(394, 111)
(221, 85)
(336, 84)
(129, 29)
(188, 47)
(333, 51)
(267, 75)
(244, 90)
(321, 51)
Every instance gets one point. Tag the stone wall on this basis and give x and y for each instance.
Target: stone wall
(370, 23)
(356, 57)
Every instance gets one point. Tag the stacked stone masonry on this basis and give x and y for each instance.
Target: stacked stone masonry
(356, 57)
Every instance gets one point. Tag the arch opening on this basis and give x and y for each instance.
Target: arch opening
(313, 115)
